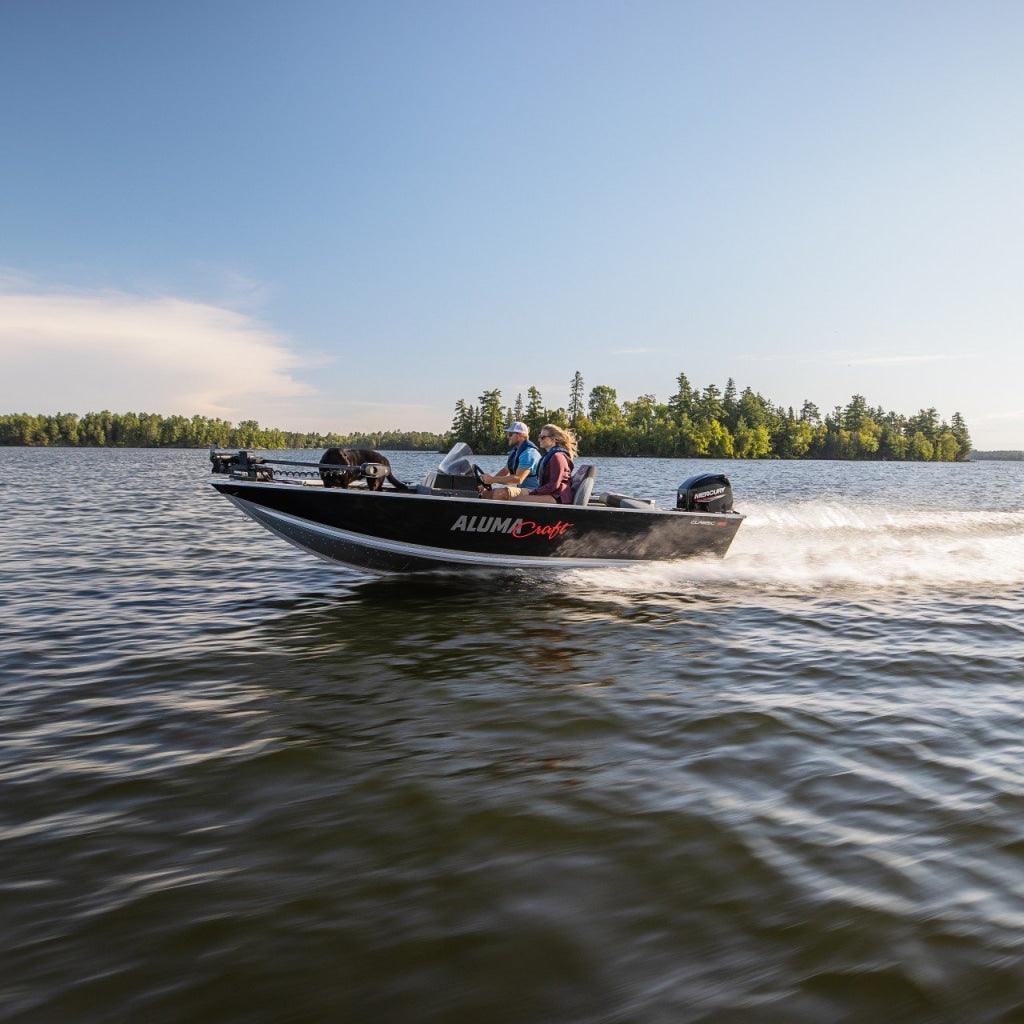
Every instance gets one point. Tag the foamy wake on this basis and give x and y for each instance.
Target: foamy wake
(817, 546)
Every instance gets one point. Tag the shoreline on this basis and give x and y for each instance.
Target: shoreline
(976, 456)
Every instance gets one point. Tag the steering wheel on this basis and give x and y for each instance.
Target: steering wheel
(479, 474)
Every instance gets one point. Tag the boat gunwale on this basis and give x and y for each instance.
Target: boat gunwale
(490, 503)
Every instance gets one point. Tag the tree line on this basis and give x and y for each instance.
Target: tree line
(150, 430)
(720, 423)
(693, 423)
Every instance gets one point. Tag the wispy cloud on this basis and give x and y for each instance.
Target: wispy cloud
(893, 360)
(359, 403)
(12, 279)
(73, 350)
(226, 286)
(634, 351)
(847, 358)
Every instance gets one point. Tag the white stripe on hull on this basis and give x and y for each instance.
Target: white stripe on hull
(442, 556)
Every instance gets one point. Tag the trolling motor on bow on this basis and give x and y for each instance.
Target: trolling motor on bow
(244, 464)
(705, 492)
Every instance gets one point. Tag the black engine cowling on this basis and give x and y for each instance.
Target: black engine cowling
(706, 492)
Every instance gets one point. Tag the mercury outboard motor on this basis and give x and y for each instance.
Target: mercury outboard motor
(706, 492)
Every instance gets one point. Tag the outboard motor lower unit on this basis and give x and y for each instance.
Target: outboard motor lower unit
(706, 492)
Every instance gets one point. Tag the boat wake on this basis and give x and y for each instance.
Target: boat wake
(818, 546)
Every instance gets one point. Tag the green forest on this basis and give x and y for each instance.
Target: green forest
(720, 423)
(149, 430)
(693, 423)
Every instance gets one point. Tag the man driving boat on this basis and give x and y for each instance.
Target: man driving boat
(520, 472)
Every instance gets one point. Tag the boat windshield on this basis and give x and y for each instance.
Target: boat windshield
(458, 462)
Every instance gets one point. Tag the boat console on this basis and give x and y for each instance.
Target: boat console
(455, 477)
(449, 485)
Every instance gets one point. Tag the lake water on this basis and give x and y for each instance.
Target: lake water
(239, 784)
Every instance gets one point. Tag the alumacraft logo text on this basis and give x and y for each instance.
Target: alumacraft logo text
(517, 528)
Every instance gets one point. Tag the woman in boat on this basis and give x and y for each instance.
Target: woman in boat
(555, 470)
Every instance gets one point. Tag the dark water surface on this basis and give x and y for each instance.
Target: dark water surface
(238, 784)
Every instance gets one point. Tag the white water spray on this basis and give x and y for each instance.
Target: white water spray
(815, 546)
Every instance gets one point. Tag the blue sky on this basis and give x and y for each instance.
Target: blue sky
(345, 216)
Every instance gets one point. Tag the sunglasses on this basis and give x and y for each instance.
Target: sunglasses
(548, 437)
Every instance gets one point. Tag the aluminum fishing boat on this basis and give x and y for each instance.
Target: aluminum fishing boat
(442, 522)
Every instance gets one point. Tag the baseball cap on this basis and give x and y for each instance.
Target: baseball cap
(518, 428)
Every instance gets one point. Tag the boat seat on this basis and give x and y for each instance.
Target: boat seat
(583, 483)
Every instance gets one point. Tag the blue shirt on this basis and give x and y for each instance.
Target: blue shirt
(525, 456)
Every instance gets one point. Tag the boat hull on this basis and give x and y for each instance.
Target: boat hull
(388, 531)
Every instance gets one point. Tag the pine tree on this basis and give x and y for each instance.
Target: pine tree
(575, 399)
(534, 410)
(730, 405)
(681, 403)
(958, 428)
(855, 413)
(462, 423)
(810, 413)
(711, 404)
(492, 427)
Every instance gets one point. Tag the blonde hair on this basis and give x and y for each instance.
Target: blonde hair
(563, 436)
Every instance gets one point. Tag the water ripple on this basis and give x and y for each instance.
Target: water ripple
(241, 785)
